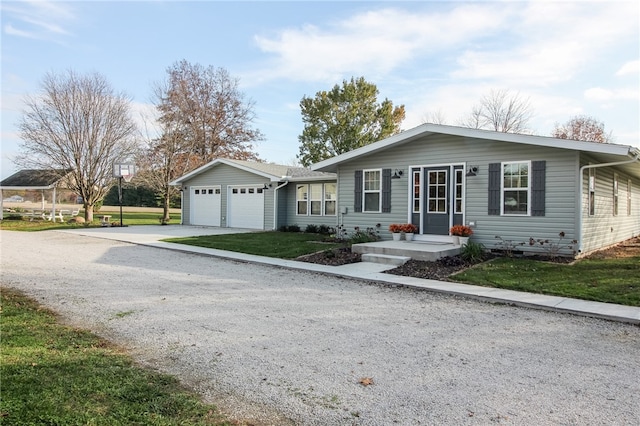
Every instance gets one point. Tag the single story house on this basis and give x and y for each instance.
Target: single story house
(246, 194)
(505, 185)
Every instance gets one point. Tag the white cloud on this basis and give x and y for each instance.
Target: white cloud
(42, 20)
(374, 42)
(600, 94)
(632, 67)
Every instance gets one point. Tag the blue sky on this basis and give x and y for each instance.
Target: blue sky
(438, 58)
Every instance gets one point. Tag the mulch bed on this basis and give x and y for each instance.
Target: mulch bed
(443, 268)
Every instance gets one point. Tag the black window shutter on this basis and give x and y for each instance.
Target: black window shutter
(538, 178)
(357, 203)
(494, 189)
(386, 190)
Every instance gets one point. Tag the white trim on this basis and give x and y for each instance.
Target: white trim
(502, 188)
(364, 191)
(429, 129)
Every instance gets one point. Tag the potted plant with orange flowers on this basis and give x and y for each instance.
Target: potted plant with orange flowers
(460, 234)
(409, 229)
(396, 231)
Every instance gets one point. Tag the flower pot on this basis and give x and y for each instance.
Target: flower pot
(456, 240)
(408, 236)
(396, 236)
(464, 241)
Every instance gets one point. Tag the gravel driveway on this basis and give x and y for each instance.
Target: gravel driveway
(276, 346)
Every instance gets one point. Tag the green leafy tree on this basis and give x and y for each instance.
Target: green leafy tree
(345, 118)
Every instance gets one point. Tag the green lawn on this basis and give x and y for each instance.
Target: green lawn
(283, 245)
(57, 375)
(128, 218)
(602, 280)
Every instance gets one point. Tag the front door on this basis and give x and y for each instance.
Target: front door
(436, 200)
(442, 199)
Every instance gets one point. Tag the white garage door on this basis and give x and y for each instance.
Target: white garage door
(246, 207)
(205, 205)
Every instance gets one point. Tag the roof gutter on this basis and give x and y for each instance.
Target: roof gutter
(596, 166)
(275, 203)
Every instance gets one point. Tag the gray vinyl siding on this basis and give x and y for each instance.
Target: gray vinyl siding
(226, 176)
(293, 218)
(560, 199)
(604, 228)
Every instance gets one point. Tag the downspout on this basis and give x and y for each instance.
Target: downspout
(595, 166)
(275, 204)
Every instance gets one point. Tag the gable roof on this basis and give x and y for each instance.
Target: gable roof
(606, 152)
(273, 172)
(34, 179)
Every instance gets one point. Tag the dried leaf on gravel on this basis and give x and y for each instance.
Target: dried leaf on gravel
(366, 381)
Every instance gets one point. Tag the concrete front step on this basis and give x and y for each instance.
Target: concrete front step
(417, 250)
(386, 259)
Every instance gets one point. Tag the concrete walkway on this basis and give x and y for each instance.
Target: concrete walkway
(150, 235)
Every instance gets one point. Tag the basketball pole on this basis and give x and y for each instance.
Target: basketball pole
(120, 197)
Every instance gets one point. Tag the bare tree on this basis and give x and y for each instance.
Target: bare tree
(582, 128)
(78, 123)
(163, 159)
(203, 116)
(435, 117)
(502, 111)
(205, 105)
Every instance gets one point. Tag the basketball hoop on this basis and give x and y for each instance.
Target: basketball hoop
(123, 171)
(126, 171)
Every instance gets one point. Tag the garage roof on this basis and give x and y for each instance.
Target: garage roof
(273, 172)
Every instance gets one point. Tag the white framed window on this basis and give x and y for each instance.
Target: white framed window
(615, 194)
(330, 198)
(629, 197)
(372, 199)
(416, 191)
(302, 198)
(316, 199)
(458, 196)
(592, 192)
(516, 188)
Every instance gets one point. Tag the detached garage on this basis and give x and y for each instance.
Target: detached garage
(246, 194)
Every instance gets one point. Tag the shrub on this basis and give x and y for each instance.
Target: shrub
(293, 228)
(289, 228)
(369, 235)
(553, 248)
(311, 229)
(507, 246)
(472, 252)
(13, 217)
(326, 230)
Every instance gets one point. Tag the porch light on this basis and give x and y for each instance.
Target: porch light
(397, 174)
(266, 186)
(473, 171)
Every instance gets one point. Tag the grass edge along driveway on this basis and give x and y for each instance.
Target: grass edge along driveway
(610, 280)
(56, 374)
(281, 245)
(602, 280)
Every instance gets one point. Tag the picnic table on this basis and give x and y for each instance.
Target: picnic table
(105, 220)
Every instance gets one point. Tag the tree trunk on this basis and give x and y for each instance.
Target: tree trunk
(165, 206)
(88, 213)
